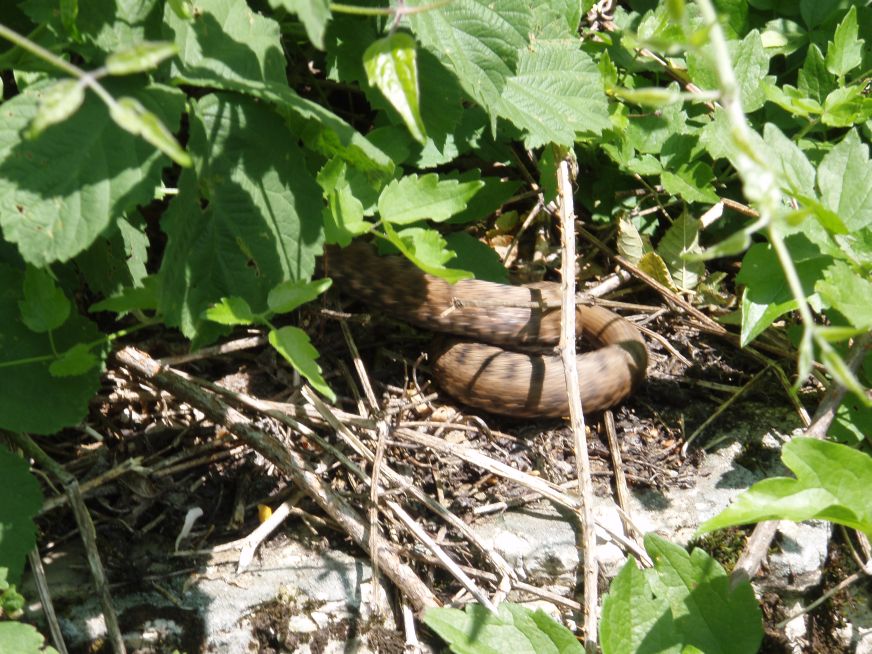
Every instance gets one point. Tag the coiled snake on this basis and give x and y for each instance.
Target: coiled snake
(477, 371)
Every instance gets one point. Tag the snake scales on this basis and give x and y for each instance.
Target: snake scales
(478, 371)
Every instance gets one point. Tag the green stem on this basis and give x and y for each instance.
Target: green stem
(121, 333)
(341, 8)
(34, 48)
(84, 77)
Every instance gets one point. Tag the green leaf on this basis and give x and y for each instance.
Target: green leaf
(140, 57)
(853, 422)
(767, 294)
(130, 115)
(230, 311)
(832, 483)
(684, 604)
(814, 80)
(514, 629)
(230, 47)
(225, 42)
(59, 102)
(414, 198)
(692, 181)
(44, 307)
(473, 255)
(22, 500)
(848, 292)
(652, 264)
(426, 249)
(783, 36)
(314, 14)
(131, 298)
(287, 296)
(59, 192)
(31, 398)
(792, 100)
(344, 213)
(555, 95)
(249, 219)
(630, 243)
(650, 131)
(634, 619)
(845, 107)
(12, 602)
(844, 178)
(294, 345)
(480, 41)
(183, 9)
(117, 259)
(845, 51)
(20, 638)
(840, 371)
(391, 66)
(750, 63)
(493, 194)
(101, 27)
(681, 239)
(74, 362)
(797, 173)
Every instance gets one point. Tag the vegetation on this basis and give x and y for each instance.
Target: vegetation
(182, 164)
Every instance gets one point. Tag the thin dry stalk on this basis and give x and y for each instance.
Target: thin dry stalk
(86, 531)
(44, 593)
(288, 461)
(576, 413)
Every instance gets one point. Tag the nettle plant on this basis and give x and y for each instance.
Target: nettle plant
(183, 164)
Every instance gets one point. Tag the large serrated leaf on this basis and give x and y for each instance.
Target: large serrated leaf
(555, 94)
(479, 41)
(225, 42)
(223, 49)
(262, 224)
(63, 189)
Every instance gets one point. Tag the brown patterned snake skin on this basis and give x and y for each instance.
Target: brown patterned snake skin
(485, 376)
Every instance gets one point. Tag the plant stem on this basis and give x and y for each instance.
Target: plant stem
(34, 48)
(341, 8)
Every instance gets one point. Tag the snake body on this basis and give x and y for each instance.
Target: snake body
(477, 370)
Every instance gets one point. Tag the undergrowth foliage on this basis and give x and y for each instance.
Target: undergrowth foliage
(179, 163)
